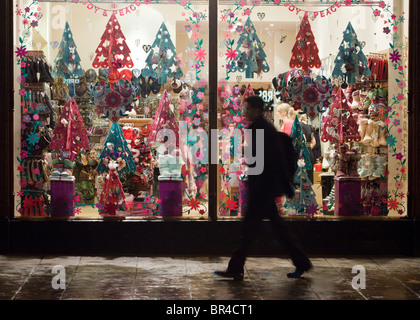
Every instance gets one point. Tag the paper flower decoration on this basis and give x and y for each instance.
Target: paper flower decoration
(113, 103)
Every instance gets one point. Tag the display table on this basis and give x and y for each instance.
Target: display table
(62, 193)
(348, 196)
(170, 195)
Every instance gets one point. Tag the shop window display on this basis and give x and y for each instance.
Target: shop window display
(97, 82)
(343, 65)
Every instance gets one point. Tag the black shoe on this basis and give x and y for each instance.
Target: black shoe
(237, 276)
(299, 272)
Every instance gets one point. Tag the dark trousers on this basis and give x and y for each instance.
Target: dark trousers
(259, 208)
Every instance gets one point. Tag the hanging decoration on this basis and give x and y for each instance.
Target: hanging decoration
(128, 8)
(162, 62)
(305, 51)
(67, 62)
(251, 57)
(113, 103)
(351, 63)
(310, 95)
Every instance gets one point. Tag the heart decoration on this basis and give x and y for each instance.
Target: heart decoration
(54, 44)
(261, 15)
(147, 47)
(263, 44)
(137, 42)
(113, 103)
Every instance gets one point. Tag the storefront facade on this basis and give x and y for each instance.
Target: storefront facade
(188, 67)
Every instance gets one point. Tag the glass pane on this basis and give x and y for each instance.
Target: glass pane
(333, 76)
(98, 86)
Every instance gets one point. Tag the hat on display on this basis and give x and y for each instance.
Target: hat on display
(91, 75)
(126, 74)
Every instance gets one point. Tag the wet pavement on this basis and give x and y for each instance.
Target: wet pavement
(191, 278)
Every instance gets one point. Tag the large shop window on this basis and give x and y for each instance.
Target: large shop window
(333, 76)
(112, 106)
(104, 88)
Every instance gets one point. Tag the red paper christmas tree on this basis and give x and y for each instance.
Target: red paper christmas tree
(305, 50)
(164, 119)
(70, 133)
(113, 52)
(340, 125)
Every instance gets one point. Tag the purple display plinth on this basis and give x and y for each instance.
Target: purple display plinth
(243, 196)
(348, 197)
(170, 196)
(62, 192)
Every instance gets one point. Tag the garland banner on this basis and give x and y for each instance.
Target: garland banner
(322, 13)
(128, 8)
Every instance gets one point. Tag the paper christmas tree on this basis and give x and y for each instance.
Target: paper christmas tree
(306, 201)
(116, 147)
(339, 125)
(300, 144)
(70, 133)
(305, 51)
(351, 62)
(251, 56)
(164, 119)
(67, 62)
(161, 62)
(113, 52)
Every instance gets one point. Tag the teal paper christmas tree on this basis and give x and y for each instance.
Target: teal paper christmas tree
(305, 200)
(251, 56)
(161, 62)
(67, 62)
(116, 147)
(351, 62)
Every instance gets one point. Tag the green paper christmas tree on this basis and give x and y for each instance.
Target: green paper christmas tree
(67, 62)
(251, 56)
(350, 63)
(161, 62)
(305, 201)
(116, 147)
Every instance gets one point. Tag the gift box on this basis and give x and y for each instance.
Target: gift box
(62, 193)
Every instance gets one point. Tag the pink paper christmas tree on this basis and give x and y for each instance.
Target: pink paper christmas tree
(340, 125)
(164, 119)
(70, 133)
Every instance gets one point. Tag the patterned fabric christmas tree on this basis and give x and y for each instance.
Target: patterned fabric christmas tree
(70, 133)
(116, 147)
(339, 125)
(164, 119)
(305, 201)
(251, 56)
(67, 62)
(112, 51)
(161, 62)
(351, 63)
(305, 51)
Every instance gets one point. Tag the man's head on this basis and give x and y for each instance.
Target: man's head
(254, 107)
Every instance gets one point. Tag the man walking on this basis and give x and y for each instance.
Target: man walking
(263, 189)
